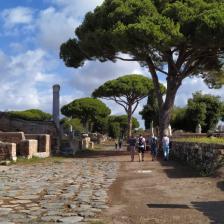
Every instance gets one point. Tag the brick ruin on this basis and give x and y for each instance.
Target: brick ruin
(13, 144)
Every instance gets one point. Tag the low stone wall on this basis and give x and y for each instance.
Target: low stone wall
(205, 158)
(7, 151)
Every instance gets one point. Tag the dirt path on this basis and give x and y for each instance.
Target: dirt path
(162, 192)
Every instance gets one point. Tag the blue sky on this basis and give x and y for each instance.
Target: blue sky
(30, 37)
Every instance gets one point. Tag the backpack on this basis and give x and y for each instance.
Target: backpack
(140, 142)
(153, 141)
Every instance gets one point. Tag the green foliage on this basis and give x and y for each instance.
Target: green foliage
(150, 111)
(205, 110)
(88, 110)
(100, 125)
(75, 123)
(211, 140)
(122, 120)
(31, 115)
(148, 27)
(134, 87)
(178, 119)
(114, 130)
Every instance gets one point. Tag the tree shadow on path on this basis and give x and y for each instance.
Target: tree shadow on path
(214, 210)
(174, 169)
(220, 185)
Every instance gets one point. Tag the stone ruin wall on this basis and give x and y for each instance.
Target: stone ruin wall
(205, 158)
(8, 124)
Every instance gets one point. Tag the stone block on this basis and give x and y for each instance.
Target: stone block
(12, 137)
(44, 142)
(27, 148)
(91, 145)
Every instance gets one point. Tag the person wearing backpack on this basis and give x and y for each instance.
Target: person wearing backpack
(141, 147)
(153, 146)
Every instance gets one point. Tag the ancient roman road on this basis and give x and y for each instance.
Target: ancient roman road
(108, 188)
(69, 191)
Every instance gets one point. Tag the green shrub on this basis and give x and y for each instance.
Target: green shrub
(212, 140)
(30, 115)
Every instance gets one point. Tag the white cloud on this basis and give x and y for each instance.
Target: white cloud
(76, 7)
(22, 75)
(18, 15)
(54, 27)
(94, 74)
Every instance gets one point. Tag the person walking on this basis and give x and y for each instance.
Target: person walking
(132, 144)
(141, 147)
(166, 147)
(154, 147)
(120, 143)
(116, 144)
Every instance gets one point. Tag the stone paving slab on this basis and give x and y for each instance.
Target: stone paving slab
(69, 192)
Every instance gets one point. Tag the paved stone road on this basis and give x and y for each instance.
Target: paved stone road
(68, 192)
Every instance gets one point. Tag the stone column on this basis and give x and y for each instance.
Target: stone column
(56, 105)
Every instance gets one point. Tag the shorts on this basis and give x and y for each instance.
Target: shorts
(141, 149)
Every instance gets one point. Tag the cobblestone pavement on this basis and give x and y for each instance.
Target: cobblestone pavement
(72, 191)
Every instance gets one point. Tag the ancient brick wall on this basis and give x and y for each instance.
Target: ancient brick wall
(205, 158)
(8, 124)
(7, 151)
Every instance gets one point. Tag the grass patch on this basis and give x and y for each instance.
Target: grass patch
(211, 140)
(35, 160)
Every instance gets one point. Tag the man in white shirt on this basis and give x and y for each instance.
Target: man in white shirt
(141, 147)
(166, 147)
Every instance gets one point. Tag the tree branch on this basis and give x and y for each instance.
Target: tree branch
(135, 107)
(125, 59)
(155, 81)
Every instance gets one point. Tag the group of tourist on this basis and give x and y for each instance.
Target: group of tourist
(140, 144)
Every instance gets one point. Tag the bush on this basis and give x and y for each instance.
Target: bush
(31, 115)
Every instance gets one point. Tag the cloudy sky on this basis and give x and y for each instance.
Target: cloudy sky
(30, 36)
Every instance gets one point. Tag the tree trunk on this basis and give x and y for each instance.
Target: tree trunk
(165, 111)
(129, 121)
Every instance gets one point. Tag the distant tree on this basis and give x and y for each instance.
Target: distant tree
(150, 111)
(100, 125)
(127, 91)
(122, 120)
(176, 39)
(87, 110)
(114, 130)
(205, 110)
(178, 119)
(31, 115)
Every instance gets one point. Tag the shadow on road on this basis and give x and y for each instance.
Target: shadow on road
(173, 169)
(214, 210)
(168, 206)
(220, 185)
